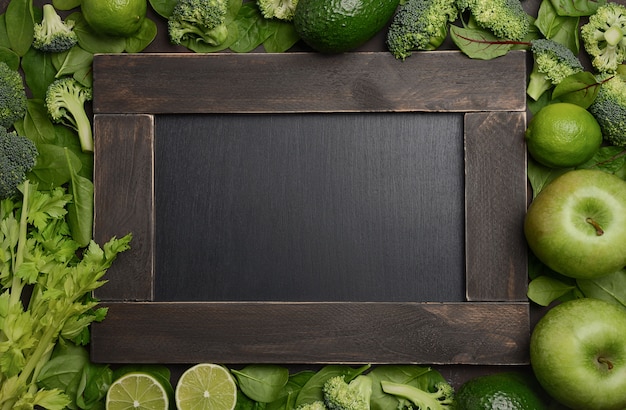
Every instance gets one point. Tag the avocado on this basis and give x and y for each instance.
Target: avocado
(336, 26)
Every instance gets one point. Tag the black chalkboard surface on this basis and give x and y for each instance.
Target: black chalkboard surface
(324, 207)
(305, 208)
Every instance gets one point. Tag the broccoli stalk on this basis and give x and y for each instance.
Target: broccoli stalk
(341, 395)
(12, 96)
(65, 102)
(553, 62)
(604, 37)
(17, 156)
(420, 25)
(441, 399)
(506, 19)
(54, 35)
(315, 405)
(609, 108)
(199, 20)
(279, 9)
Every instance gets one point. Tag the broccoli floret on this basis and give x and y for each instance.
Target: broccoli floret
(341, 395)
(609, 109)
(199, 20)
(279, 9)
(604, 37)
(12, 96)
(17, 156)
(54, 35)
(553, 62)
(65, 102)
(316, 405)
(441, 399)
(420, 25)
(506, 19)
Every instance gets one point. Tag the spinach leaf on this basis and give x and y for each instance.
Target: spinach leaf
(80, 209)
(142, 38)
(39, 72)
(20, 25)
(312, 390)
(262, 383)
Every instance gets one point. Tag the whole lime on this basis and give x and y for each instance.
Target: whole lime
(335, 26)
(510, 390)
(563, 135)
(120, 18)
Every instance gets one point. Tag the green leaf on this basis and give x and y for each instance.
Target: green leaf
(539, 175)
(252, 28)
(608, 158)
(611, 288)
(142, 38)
(262, 383)
(20, 25)
(545, 290)
(37, 125)
(80, 210)
(576, 7)
(71, 61)
(4, 37)
(479, 44)
(562, 29)
(419, 376)
(580, 89)
(66, 4)
(39, 72)
(9, 57)
(163, 8)
(283, 36)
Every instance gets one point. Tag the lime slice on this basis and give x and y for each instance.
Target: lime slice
(206, 386)
(135, 391)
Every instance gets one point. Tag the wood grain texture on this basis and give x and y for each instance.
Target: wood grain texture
(461, 333)
(307, 82)
(495, 198)
(124, 201)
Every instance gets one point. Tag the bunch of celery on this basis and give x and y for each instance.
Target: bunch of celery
(46, 280)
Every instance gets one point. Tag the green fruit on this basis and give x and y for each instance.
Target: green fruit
(335, 26)
(511, 391)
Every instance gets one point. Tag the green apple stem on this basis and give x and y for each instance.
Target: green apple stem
(606, 362)
(596, 225)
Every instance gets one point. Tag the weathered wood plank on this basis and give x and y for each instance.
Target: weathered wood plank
(451, 333)
(495, 198)
(124, 201)
(307, 82)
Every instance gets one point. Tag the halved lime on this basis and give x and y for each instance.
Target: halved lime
(135, 391)
(206, 386)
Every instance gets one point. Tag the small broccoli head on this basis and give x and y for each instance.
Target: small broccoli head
(442, 398)
(278, 9)
(316, 405)
(199, 20)
(65, 102)
(340, 395)
(54, 35)
(506, 19)
(609, 109)
(553, 63)
(17, 156)
(420, 25)
(12, 96)
(604, 37)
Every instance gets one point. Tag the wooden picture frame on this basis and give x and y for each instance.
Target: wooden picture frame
(490, 327)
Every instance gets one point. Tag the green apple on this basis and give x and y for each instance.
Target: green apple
(578, 354)
(577, 224)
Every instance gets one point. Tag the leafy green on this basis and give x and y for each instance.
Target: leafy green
(262, 383)
(38, 254)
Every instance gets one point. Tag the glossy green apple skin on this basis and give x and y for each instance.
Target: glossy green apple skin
(559, 232)
(565, 347)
